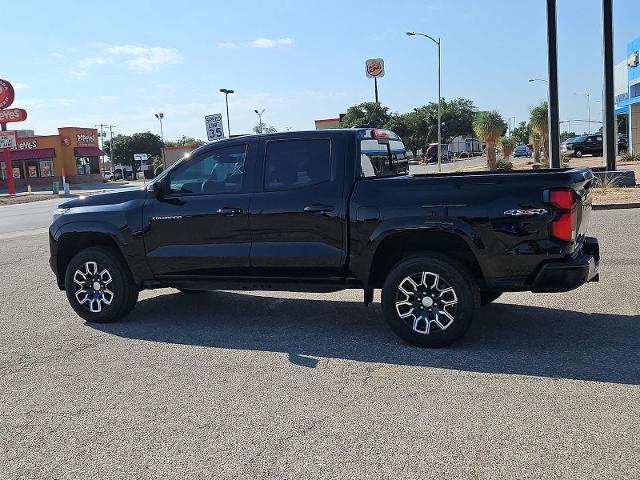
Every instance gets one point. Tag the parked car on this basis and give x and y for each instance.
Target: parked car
(584, 145)
(309, 211)
(107, 175)
(522, 151)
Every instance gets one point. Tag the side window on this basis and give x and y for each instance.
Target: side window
(219, 171)
(296, 163)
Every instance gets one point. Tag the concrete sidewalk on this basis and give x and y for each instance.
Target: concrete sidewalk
(78, 188)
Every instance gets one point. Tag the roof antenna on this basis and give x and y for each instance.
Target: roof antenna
(373, 113)
(368, 124)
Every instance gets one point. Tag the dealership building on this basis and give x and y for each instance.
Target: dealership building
(627, 91)
(42, 159)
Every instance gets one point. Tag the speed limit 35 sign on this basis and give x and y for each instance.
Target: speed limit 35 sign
(215, 129)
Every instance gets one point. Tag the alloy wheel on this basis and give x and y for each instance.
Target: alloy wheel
(93, 291)
(426, 302)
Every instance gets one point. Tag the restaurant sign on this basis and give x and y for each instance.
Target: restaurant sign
(86, 138)
(7, 94)
(13, 115)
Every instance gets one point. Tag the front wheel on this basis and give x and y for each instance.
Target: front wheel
(430, 301)
(578, 153)
(99, 285)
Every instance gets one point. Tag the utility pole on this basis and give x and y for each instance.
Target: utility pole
(260, 118)
(102, 126)
(113, 163)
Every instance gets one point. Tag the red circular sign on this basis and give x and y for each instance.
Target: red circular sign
(6, 94)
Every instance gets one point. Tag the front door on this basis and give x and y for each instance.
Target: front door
(298, 210)
(201, 226)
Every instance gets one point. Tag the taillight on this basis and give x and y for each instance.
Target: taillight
(565, 225)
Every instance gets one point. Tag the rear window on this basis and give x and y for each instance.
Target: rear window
(297, 163)
(380, 158)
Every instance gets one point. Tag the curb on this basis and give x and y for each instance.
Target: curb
(616, 206)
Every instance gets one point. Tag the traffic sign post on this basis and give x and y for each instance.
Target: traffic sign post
(7, 142)
(215, 127)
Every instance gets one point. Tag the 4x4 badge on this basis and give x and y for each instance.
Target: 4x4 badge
(529, 212)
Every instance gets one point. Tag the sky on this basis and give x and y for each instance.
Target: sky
(73, 64)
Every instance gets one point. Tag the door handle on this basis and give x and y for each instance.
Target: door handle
(318, 208)
(229, 211)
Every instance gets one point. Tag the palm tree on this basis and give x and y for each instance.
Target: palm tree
(540, 124)
(489, 126)
(507, 144)
(535, 139)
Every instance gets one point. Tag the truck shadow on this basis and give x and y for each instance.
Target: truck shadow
(508, 339)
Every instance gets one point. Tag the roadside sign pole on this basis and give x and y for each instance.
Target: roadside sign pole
(11, 186)
(609, 127)
(375, 82)
(553, 106)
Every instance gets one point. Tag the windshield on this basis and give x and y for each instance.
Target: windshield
(381, 158)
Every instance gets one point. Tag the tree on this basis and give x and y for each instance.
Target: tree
(490, 126)
(522, 133)
(367, 113)
(411, 128)
(264, 128)
(184, 140)
(536, 141)
(565, 135)
(540, 124)
(508, 144)
(125, 146)
(457, 119)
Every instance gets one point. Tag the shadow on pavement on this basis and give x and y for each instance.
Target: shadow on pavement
(508, 339)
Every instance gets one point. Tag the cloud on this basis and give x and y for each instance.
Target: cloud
(270, 43)
(228, 45)
(17, 86)
(87, 62)
(146, 58)
(57, 55)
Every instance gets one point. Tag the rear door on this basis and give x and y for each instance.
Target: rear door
(298, 213)
(201, 226)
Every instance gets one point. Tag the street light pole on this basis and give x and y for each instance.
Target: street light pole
(531, 80)
(259, 118)
(438, 42)
(588, 96)
(226, 92)
(160, 116)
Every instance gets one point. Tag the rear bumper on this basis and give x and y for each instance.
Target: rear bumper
(565, 275)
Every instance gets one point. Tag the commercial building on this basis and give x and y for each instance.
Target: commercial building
(172, 154)
(627, 91)
(42, 159)
(327, 123)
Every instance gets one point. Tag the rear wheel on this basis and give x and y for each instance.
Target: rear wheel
(578, 153)
(488, 296)
(430, 301)
(99, 285)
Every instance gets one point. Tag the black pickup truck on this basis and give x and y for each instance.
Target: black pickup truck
(323, 211)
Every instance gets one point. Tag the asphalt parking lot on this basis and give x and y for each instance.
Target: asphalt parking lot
(269, 385)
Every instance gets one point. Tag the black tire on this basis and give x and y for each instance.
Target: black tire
(578, 153)
(124, 292)
(488, 296)
(451, 275)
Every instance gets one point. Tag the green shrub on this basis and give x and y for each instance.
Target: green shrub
(630, 157)
(158, 171)
(504, 165)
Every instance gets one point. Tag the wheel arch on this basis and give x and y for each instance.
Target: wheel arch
(395, 246)
(73, 238)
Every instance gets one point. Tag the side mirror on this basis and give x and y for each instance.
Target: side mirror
(159, 189)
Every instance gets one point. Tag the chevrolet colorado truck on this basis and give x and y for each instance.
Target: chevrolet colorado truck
(323, 211)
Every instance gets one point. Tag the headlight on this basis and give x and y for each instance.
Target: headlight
(58, 212)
